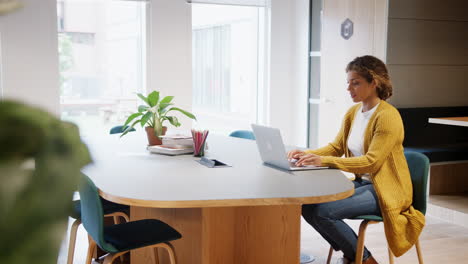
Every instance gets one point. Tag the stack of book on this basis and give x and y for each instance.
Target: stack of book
(177, 141)
(173, 145)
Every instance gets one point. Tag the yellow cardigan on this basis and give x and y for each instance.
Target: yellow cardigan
(385, 162)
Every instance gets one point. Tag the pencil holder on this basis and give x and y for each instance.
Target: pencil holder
(199, 142)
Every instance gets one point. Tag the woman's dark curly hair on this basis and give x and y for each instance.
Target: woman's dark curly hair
(373, 69)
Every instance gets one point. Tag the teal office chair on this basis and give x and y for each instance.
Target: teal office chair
(121, 238)
(119, 129)
(110, 209)
(243, 134)
(419, 167)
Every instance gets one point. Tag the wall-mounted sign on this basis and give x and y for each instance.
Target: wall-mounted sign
(347, 29)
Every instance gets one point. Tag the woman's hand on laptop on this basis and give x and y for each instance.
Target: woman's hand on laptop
(309, 159)
(295, 154)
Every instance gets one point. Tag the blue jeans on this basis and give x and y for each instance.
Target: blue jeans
(327, 218)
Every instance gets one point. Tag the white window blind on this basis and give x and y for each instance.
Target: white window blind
(211, 67)
(260, 3)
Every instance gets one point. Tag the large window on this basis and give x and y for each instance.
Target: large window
(227, 67)
(102, 53)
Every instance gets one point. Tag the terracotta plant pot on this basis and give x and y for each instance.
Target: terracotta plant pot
(152, 139)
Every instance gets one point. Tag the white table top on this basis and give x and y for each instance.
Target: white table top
(454, 121)
(127, 173)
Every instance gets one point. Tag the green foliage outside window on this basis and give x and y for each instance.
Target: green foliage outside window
(66, 62)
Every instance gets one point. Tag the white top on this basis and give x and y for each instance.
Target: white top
(126, 172)
(356, 136)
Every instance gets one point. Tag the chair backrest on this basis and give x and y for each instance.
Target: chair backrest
(92, 214)
(419, 169)
(243, 134)
(119, 129)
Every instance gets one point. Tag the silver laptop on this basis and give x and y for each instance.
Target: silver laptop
(272, 150)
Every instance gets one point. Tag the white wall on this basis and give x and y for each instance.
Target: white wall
(29, 55)
(287, 106)
(30, 59)
(170, 53)
(369, 38)
(170, 62)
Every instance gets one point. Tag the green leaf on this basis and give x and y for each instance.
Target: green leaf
(145, 118)
(142, 97)
(188, 114)
(131, 117)
(153, 98)
(142, 108)
(130, 127)
(173, 120)
(163, 108)
(166, 100)
(164, 104)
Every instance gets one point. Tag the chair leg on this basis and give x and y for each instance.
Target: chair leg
(116, 220)
(390, 256)
(91, 248)
(360, 245)
(116, 215)
(156, 255)
(330, 254)
(170, 250)
(126, 217)
(418, 250)
(111, 257)
(72, 242)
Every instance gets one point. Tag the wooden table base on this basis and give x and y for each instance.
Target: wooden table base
(228, 235)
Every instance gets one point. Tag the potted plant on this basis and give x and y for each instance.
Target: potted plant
(40, 162)
(153, 114)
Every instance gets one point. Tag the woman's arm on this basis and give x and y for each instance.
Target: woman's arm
(336, 147)
(388, 132)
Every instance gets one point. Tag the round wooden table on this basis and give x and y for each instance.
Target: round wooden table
(246, 213)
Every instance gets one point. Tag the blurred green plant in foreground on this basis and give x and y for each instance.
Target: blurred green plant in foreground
(40, 162)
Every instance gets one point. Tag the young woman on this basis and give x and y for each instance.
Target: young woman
(370, 139)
